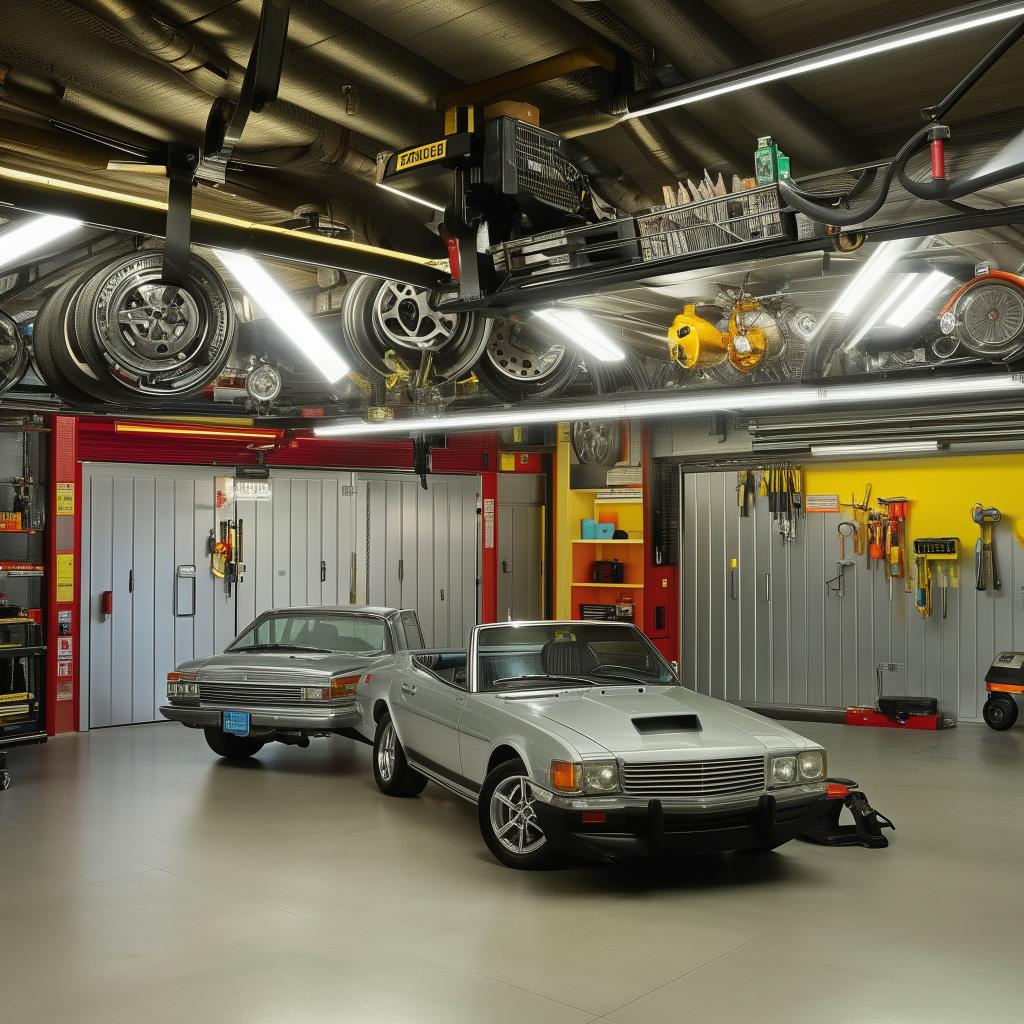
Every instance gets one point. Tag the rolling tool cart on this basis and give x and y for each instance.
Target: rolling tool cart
(1004, 682)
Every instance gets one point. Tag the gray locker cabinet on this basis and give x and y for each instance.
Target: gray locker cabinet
(520, 562)
(770, 633)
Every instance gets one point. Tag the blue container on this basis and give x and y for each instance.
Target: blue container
(605, 531)
(588, 529)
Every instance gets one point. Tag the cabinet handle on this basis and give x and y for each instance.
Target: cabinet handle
(768, 586)
(323, 571)
(442, 593)
(131, 581)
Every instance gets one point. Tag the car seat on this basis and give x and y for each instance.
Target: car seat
(568, 658)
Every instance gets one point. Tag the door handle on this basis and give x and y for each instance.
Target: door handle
(768, 586)
(504, 566)
(442, 593)
(408, 688)
(460, 700)
(131, 581)
(323, 571)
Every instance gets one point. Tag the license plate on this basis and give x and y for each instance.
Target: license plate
(236, 723)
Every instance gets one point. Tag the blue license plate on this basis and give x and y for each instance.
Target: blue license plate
(236, 723)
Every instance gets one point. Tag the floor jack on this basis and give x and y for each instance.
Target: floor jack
(899, 712)
(867, 826)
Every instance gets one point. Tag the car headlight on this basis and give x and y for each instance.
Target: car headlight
(810, 765)
(177, 689)
(600, 777)
(783, 771)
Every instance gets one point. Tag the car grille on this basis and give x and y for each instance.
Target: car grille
(244, 694)
(244, 675)
(694, 778)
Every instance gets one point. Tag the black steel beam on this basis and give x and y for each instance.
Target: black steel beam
(104, 209)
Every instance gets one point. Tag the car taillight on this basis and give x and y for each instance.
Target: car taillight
(343, 686)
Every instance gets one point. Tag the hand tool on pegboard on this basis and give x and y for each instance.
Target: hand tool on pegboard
(986, 572)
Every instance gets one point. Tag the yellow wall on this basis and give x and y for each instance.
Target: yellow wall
(941, 490)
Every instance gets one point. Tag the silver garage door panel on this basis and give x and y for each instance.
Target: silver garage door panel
(139, 523)
(768, 632)
(421, 551)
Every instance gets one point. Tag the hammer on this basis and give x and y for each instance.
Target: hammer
(984, 553)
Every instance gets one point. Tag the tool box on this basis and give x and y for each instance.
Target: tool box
(1004, 683)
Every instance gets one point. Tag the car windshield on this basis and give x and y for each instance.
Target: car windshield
(542, 655)
(321, 632)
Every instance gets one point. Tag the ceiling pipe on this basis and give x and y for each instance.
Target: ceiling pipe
(610, 27)
(685, 153)
(700, 43)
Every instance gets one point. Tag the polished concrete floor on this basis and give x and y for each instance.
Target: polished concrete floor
(143, 881)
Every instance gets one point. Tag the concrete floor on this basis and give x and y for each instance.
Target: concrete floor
(143, 881)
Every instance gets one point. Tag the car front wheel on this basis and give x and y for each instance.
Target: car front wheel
(391, 771)
(508, 819)
(233, 747)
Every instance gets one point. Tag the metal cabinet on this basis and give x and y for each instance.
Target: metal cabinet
(521, 547)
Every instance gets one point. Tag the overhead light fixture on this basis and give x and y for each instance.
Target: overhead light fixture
(578, 328)
(871, 271)
(28, 236)
(845, 51)
(918, 299)
(185, 430)
(740, 400)
(879, 448)
(410, 196)
(280, 308)
(903, 283)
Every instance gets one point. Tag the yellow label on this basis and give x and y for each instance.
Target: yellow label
(508, 462)
(421, 155)
(13, 698)
(65, 499)
(65, 577)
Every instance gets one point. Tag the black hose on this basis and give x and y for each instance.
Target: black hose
(804, 203)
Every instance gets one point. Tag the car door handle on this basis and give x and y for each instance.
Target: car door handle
(460, 700)
(408, 688)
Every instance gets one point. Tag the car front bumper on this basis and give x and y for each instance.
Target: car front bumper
(650, 828)
(263, 721)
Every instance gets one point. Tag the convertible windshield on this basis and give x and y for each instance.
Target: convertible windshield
(321, 632)
(539, 656)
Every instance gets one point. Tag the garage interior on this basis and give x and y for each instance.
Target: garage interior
(696, 322)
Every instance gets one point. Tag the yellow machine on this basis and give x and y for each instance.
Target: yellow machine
(754, 335)
(695, 343)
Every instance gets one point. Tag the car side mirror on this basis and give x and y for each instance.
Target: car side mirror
(459, 677)
(675, 667)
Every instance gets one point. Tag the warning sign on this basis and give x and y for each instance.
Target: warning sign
(65, 499)
(65, 577)
(821, 503)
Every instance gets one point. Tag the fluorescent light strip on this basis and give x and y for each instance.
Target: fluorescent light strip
(918, 299)
(412, 198)
(280, 308)
(739, 400)
(579, 329)
(879, 448)
(874, 268)
(28, 236)
(855, 51)
(880, 309)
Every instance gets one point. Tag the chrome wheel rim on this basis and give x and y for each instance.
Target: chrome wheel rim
(514, 817)
(403, 317)
(386, 750)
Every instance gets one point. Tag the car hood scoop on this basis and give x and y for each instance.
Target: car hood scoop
(663, 724)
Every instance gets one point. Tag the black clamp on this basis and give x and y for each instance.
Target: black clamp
(866, 829)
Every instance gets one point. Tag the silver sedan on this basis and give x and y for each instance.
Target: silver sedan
(578, 738)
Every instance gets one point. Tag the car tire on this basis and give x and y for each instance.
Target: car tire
(391, 771)
(120, 324)
(49, 335)
(372, 324)
(1000, 713)
(514, 369)
(232, 747)
(496, 814)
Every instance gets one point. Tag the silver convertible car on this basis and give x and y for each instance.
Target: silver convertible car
(578, 738)
(290, 675)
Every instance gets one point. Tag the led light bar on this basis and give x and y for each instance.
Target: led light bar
(740, 400)
(874, 448)
(409, 195)
(30, 235)
(579, 329)
(918, 299)
(185, 430)
(871, 44)
(280, 308)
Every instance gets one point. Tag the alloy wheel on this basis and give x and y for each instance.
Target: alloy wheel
(514, 818)
(386, 752)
